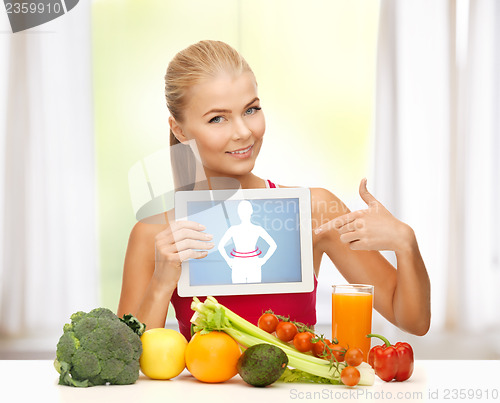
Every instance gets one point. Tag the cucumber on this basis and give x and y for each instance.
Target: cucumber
(262, 364)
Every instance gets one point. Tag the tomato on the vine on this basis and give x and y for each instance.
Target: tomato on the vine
(338, 352)
(353, 356)
(286, 331)
(268, 322)
(302, 341)
(319, 348)
(350, 376)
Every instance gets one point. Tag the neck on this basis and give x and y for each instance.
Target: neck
(208, 180)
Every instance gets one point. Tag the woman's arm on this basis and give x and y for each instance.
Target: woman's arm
(152, 267)
(353, 240)
(141, 294)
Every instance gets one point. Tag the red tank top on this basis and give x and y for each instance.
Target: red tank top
(301, 307)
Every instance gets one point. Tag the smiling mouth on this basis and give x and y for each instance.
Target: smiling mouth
(241, 151)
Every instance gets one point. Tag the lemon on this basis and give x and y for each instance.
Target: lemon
(162, 353)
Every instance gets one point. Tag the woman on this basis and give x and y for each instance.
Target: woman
(216, 119)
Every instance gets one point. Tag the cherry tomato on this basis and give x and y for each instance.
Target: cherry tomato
(319, 349)
(268, 322)
(354, 357)
(338, 352)
(350, 376)
(302, 341)
(286, 331)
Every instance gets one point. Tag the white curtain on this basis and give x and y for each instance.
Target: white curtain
(48, 247)
(437, 147)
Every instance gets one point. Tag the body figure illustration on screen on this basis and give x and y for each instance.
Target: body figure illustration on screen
(245, 260)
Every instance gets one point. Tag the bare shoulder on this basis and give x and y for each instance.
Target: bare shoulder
(325, 205)
(321, 197)
(323, 201)
(145, 231)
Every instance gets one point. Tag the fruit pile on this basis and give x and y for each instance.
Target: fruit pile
(224, 344)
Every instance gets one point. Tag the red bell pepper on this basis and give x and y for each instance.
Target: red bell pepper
(391, 362)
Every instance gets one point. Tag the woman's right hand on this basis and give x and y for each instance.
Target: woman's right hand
(181, 241)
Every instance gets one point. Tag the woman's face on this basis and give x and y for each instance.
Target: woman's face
(224, 118)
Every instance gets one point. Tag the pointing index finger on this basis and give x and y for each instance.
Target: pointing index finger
(337, 222)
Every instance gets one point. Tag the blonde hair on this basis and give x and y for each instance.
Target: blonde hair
(200, 61)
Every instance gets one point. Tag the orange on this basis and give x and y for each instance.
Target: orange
(212, 357)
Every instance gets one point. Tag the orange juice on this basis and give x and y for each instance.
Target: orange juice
(352, 319)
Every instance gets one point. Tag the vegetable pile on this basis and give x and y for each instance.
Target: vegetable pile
(97, 348)
(211, 315)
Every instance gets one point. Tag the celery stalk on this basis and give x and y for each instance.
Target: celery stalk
(211, 315)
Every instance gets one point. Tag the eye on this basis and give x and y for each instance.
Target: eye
(252, 110)
(216, 119)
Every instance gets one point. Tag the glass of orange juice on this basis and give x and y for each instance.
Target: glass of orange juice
(352, 306)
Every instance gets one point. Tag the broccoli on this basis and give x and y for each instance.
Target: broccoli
(97, 348)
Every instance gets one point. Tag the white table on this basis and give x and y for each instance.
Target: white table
(432, 381)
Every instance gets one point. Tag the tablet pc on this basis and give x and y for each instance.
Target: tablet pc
(262, 238)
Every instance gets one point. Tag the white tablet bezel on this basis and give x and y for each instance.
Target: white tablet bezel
(185, 289)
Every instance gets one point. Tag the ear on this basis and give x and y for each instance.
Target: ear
(177, 130)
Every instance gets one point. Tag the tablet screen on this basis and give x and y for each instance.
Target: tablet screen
(247, 230)
(262, 241)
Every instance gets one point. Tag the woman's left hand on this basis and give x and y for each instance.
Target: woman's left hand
(374, 228)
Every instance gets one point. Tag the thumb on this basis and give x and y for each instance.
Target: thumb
(365, 194)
